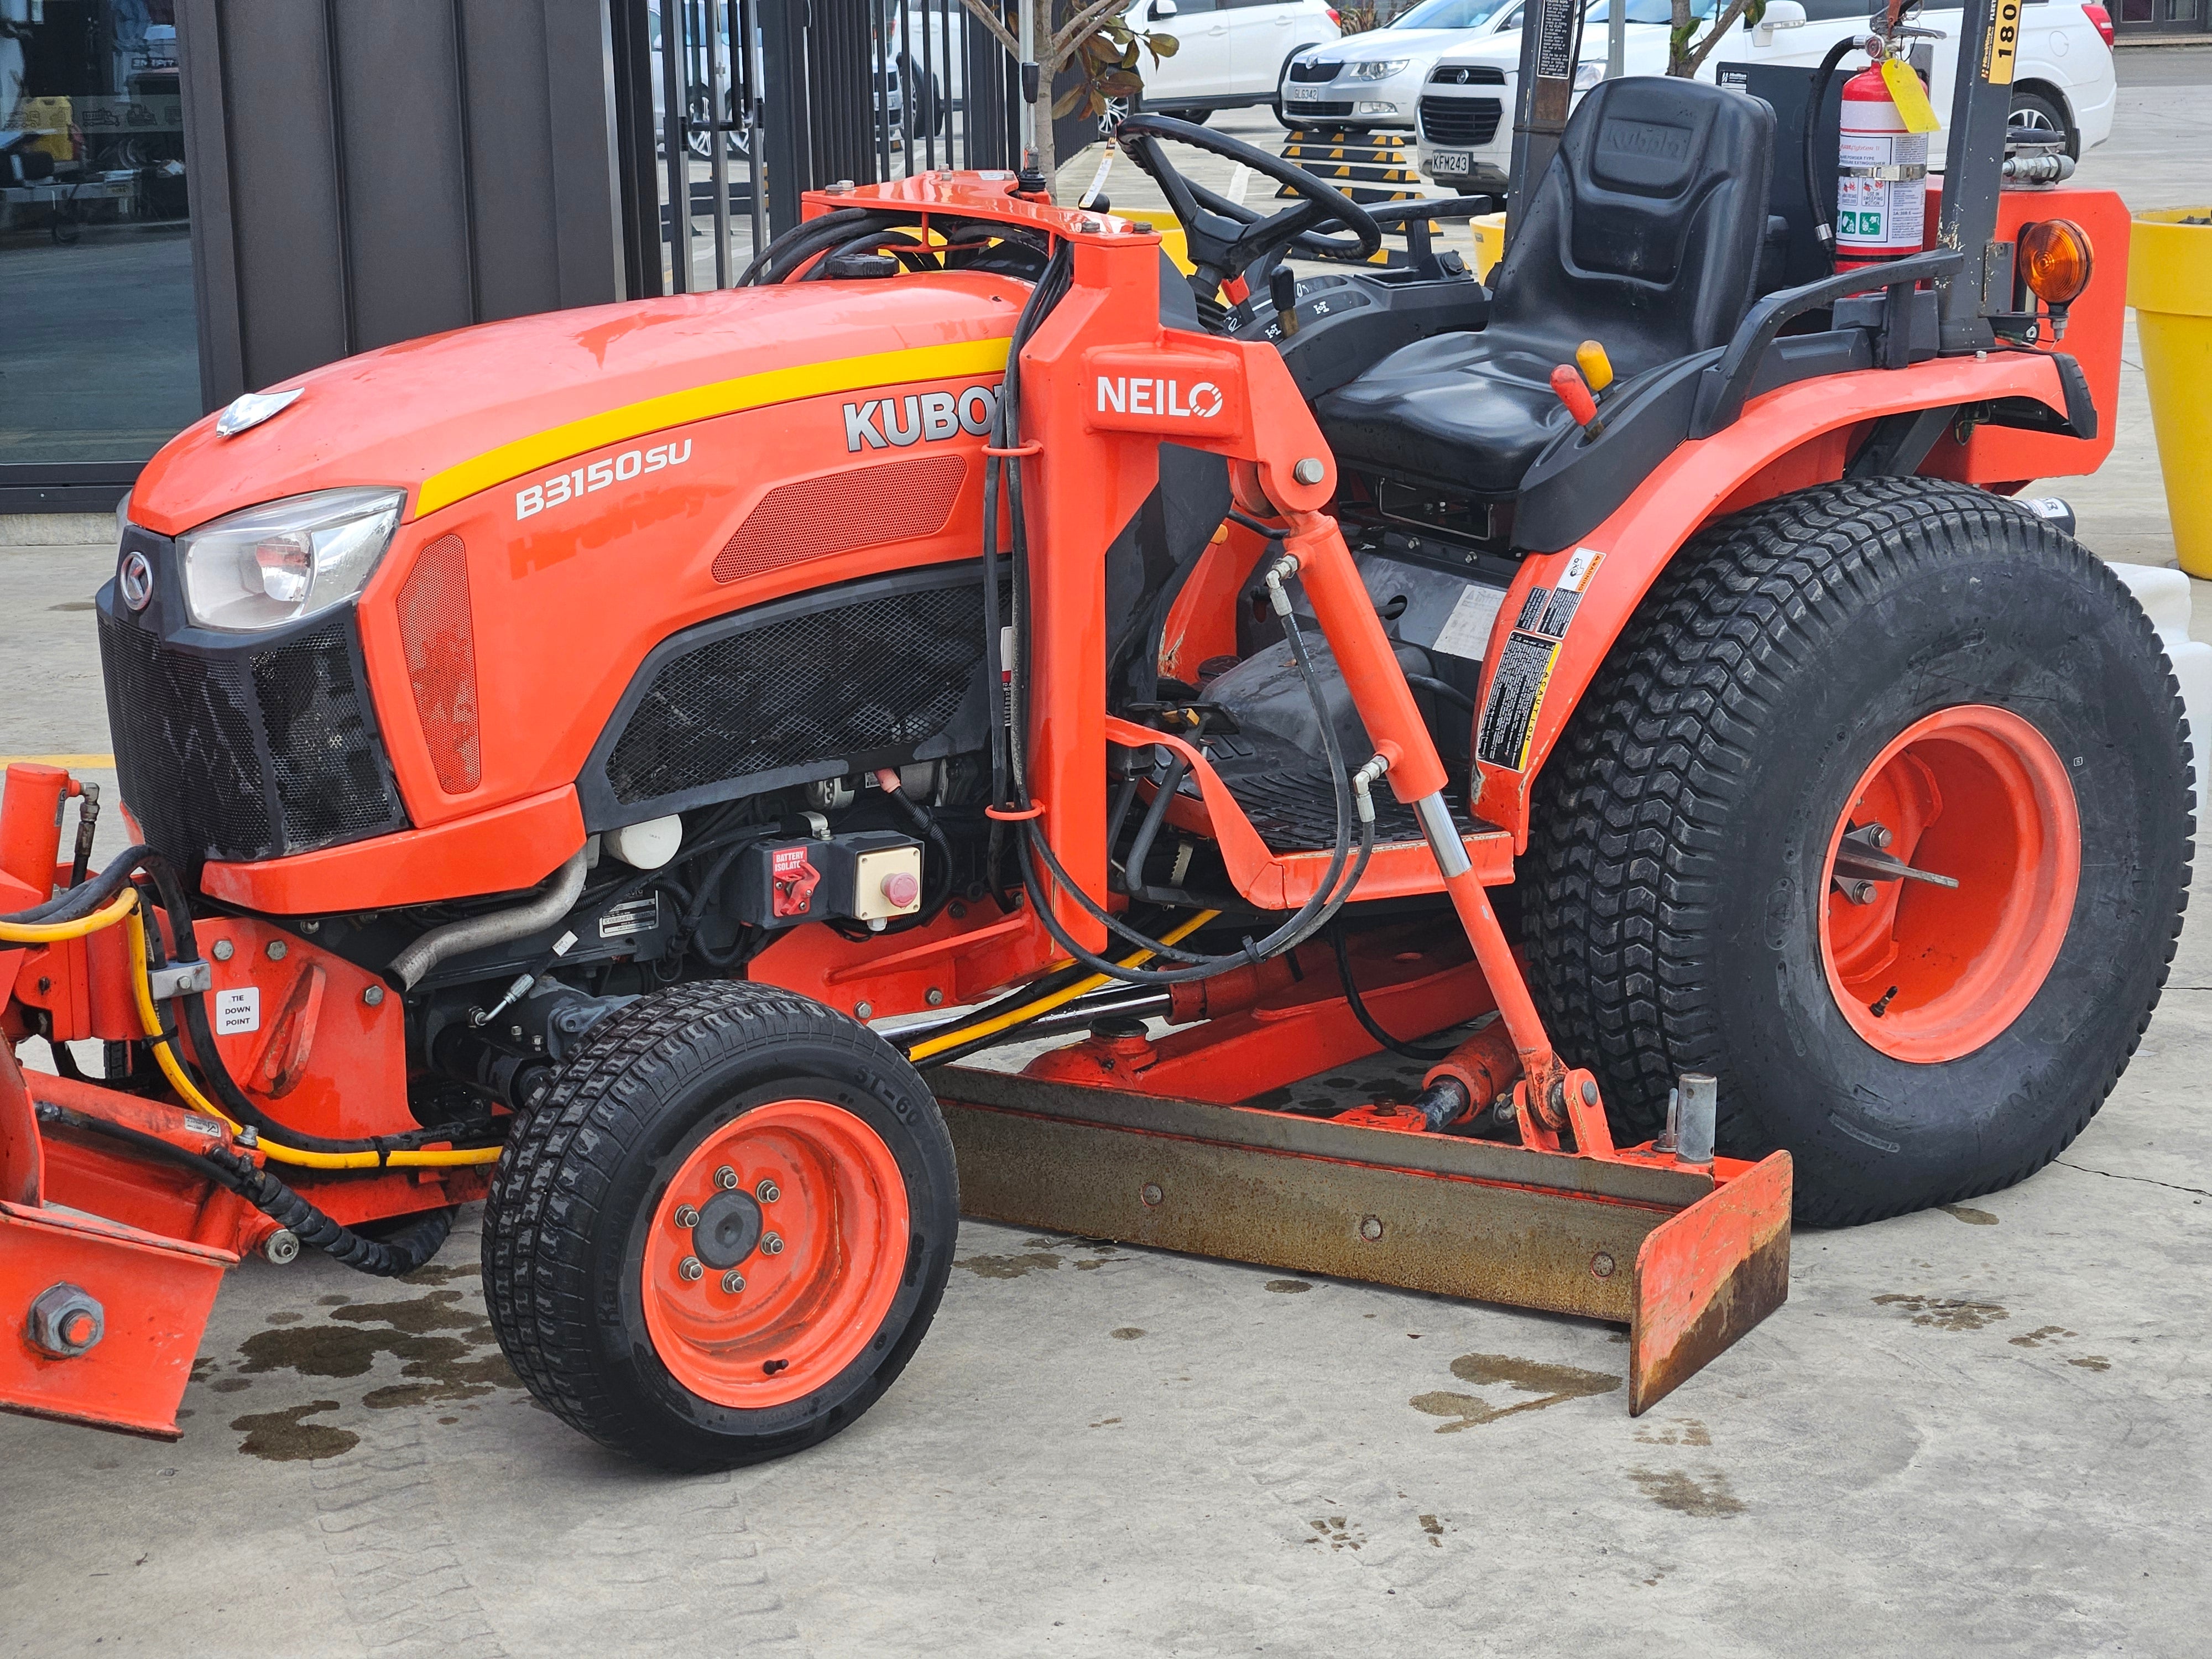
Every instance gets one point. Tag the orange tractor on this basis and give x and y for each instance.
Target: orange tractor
(1628, 693)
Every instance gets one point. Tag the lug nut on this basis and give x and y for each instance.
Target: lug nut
(733, 1281)
(726, 1178)
(768, 1192)
(771, 1243)
(686, 1217)
(690, 1267)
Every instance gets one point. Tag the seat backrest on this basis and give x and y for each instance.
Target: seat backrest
(1645, 233)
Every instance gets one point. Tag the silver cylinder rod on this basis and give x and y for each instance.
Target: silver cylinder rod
(1695, 1118)
(1444, 835)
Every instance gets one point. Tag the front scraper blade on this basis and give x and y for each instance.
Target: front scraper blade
(1705, 1277)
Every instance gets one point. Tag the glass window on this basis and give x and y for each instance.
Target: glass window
(99, 348)
(1449, 14)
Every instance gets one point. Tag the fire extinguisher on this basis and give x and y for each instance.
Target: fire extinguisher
(1881, 182)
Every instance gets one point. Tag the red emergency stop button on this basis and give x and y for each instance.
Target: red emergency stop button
(900, 890)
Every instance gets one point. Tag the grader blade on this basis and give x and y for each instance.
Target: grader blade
(1690, 1258)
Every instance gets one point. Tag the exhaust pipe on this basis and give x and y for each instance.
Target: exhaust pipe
(478, 932)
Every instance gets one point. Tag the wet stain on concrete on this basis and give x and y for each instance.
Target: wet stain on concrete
(1435, 1528)
(2092, 1362)
(284, 1318)
(444, 1273)
(1967, 1214)
(1088, 1266)
(1127, 1333)
(1682, 1431)
(229, 1384)
(332, 1301)
(1684, 1493)
(203, 1365)
(1945, 1313)
(439, 1367)
(1337, 1532)
(1551, 1384)
(2036, 1339)
(285, 1437)
(1008, 1266)
(1288, 1286)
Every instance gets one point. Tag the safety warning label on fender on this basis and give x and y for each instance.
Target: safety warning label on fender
(1516, 691)
(1524, 666)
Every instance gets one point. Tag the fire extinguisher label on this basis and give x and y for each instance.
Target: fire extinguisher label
(1875, 208)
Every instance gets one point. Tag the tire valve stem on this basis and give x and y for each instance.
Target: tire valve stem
(1882, 1007)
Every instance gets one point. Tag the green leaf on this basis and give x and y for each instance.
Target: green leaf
(1163, 46)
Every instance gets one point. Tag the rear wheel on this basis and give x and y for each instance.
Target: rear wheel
(1834, 684)
(725, 1231)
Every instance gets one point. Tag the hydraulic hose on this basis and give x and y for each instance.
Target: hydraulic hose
(1426, 1054)
(402, 1253)
(1823, 233)
(54, 932)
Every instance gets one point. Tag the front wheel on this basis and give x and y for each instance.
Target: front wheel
(1879, 811)
(724, 1232)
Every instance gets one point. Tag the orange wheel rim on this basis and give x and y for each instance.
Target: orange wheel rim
(774, 1254)
(1926, 973)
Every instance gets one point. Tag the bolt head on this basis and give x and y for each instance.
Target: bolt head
(1371, 1228)
(691, 1268)
(771, 1244)
(1589, 1093)
(1151, 1194)
(933, 997)
(768, 1192)
(864, 1011)
(1310, 470)
(65, 1320)
(726, 1178)
(686, 1217)
(278, 950)
(733, 1281)
(1879, 836)
(222, 950)
(1601, 1265)
(374, 995)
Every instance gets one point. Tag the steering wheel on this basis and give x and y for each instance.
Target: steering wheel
(1226, 241)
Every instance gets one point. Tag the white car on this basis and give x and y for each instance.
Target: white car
(2064, 82)
(1375, 79)
(1229, 54)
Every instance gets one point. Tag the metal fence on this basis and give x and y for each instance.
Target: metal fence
(734, 108)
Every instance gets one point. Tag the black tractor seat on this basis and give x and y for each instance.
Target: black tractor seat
(1644, 236)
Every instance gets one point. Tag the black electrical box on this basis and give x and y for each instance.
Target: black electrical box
(872, 875)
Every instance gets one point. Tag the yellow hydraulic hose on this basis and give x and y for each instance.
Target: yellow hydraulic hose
(54, 932)
(1045, 1005)
(180, 1080)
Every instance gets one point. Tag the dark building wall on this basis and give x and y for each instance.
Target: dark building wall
(367, 171)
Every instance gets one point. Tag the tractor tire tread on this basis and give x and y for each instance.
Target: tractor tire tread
(1660, 750)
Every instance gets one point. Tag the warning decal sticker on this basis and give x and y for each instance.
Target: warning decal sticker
(1524, 669)
(1524, 666)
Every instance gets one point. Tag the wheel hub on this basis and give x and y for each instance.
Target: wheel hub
(1949, 882)
(728, 1229)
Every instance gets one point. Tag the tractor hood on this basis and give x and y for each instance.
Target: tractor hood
(450, 414)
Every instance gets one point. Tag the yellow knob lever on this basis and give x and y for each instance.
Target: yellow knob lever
(1596, 367)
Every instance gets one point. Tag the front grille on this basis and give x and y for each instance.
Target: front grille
(1467, 75)
(1325, 112)
(237, 753)
(1456, 121)
(806, 689)
(1303, 71)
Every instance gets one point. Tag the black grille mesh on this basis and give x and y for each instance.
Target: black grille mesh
(242, 754)
(1460, 121)
(1309, 70)
(882, 675)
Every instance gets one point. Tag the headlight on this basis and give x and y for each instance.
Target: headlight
(1381, 70)
(274, 564)
(1589, 75)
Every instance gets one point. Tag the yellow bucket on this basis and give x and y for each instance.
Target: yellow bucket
(2170, 286)
(1489, 243)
